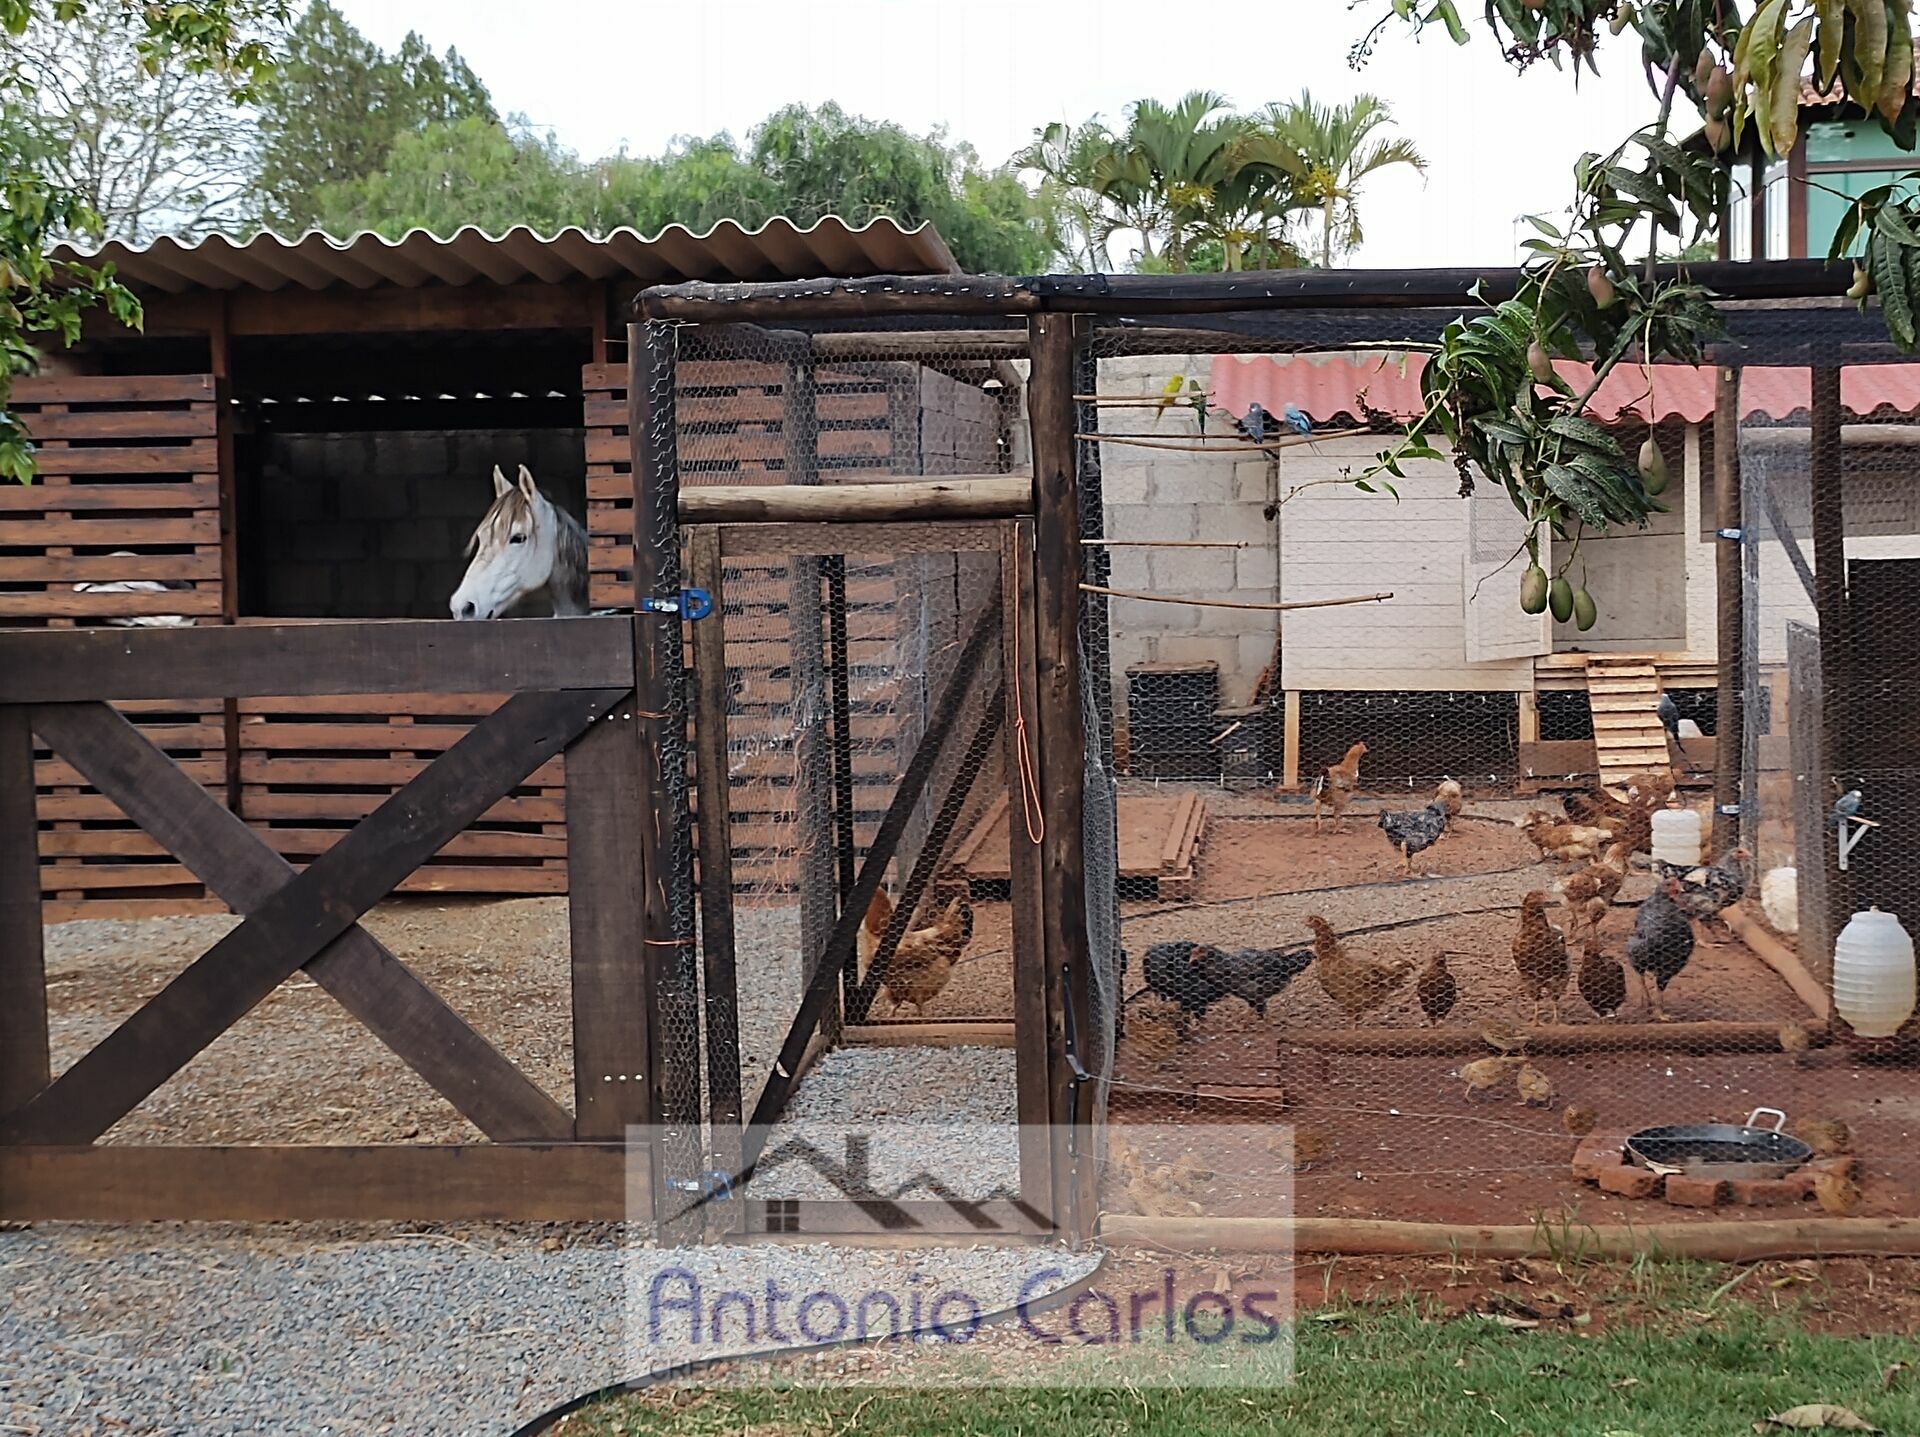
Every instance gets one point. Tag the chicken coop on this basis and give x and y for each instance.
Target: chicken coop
(1476, 906)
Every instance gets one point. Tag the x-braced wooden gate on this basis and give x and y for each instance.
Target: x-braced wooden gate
(570, 689)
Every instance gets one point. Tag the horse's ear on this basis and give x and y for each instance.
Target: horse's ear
(500, 484)
(527, 486)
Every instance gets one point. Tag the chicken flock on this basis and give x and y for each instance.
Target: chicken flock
(1559, 951)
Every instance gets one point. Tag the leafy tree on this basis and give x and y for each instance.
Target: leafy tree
(1337, 146)
(144, 149)
(697, 183)
(471, 171)
(38, 295)
(336, 106)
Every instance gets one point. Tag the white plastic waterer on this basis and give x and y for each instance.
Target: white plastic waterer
(1873, 974)
(1676, 837)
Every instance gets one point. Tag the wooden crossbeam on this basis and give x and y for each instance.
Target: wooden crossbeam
(243, 871)
(301, 920)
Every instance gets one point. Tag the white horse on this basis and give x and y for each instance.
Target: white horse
(139, 586)
(526, 545)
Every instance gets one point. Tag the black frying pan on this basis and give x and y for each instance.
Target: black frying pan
(1721, 1150)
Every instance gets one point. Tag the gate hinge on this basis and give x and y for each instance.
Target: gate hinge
(692, 604)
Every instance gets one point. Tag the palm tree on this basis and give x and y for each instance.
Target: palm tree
(1336, 142)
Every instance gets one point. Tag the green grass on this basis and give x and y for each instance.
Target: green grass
(1711, 1364)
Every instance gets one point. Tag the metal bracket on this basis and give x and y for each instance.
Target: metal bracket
(1731, 810)
(1731, 535)
(692, 604)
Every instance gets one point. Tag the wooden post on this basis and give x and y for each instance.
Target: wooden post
(1529, 716)
(1032, 1033)
(220, 365)
(1095, 625)
(1290, 753)
(812, 745)
(1063, 756)
(1729, 696)
(1826, 474)
(660, 717)
(24, 1069)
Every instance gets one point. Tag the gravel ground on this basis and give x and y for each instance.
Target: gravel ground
(208, 1332)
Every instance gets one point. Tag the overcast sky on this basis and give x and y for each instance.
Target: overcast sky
(607, 73)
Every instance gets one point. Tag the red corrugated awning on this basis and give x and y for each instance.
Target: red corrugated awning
(1326, 385)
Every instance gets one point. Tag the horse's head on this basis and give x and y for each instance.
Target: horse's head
(513, 550)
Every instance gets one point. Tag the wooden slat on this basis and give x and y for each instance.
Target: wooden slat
(258, 767)
(115, 529)
(72, 877)
(266, 806)
(105, 568)
(960, 496)
(198, 456)
(610, 1021)
(293, 926)
(113, 389)
(379, 737)
(61, 604)
(201, 420)
(468, 706)
(532, 1182)
(23, 982)
(95, 498)
(474, 843)
(399, 656)
(917, 538)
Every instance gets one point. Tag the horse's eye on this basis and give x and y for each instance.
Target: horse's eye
(518, 539)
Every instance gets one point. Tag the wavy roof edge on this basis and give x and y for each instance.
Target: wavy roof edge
(780, 248)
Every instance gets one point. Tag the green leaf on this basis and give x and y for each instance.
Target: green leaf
(1896, 80)
(1890, 278)
(1568, 487)
(1869, 49)
(1786, 89)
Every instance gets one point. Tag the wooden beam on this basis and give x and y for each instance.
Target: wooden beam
(829, 537)
(605, 883)
(1062, 756)
(24, 1067)
(365, 657)
(1826, 471)
(933, 1033)
(240, 869)
(666, 838)
(923, 345)
(959, 496)
(1705, 1037)
(533, 1182)
(1729, 695)
(478, 308)
(292, 927)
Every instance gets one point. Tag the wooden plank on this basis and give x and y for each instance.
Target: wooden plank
(1170, 851)
(120, 531)
(198, 456)
(260, 767)
(257, 708)
(474, 843)
(113, 389)
(56, 604)
(1062, 750)
(379, 737)
(361, 657)
(722, 1007)
(107, 568)
(202, 420)
(293, 925)
(23, 978)
(961, 496)
(954, 535)
(93, 498)
(936, 1033)
(531, 1182)
(266, 806)
(66, 877)
(610, 1035)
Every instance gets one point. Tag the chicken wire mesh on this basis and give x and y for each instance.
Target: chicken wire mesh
(1385, 870)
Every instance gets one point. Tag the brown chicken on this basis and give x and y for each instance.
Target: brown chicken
(1838, 1193)
(1436, 990)
(1632, 832)
(1451, 797)
(1602, 981)
(1535, 1087)
(1565, 842)
(1354, 984)
(1484, 1073)
(1540, 955)
(1155, 1029)
(1334, 791)
(1596, 884)
(1578, 1120)
(1828, 1137)
(1593, 806)
(922, 964)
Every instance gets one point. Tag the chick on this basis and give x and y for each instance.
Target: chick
(1503, 1035)
(1828, 1137)
(1484, 1073)
(1436, 990)
(1535, 1087)
(1794, 1041)
(1578, 1120)
(1838, 1193)
(1155, 1029)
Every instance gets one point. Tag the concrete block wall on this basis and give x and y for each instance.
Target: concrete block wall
(1159, 494)
(375, 524)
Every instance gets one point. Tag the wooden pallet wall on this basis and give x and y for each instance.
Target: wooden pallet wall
(127, 488)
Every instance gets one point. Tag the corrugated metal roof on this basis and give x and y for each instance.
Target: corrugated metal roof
(778, 249)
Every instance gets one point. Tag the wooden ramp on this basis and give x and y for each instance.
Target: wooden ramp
(1159, 839)
(1628, 737)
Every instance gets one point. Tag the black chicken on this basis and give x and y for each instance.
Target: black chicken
(1185, 973)
(1660, 944)
(1254, 975)
(1415, 830)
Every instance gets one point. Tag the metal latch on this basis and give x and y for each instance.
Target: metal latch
(1732, 535)
(692, 604)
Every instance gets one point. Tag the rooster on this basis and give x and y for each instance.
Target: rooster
(1356, 986)
(1414, 831)
(1185, 974)
(1253, 975)
(924, 961)
(1334, 790)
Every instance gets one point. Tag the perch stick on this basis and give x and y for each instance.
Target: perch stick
(1733, 1241)
(1201, 444)
(1235, 603)
(1164, 543)
(1777, 956)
